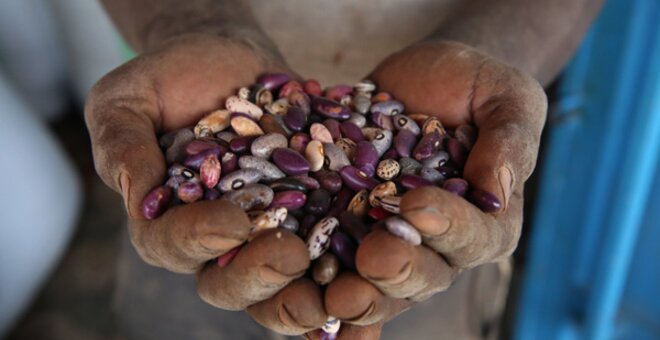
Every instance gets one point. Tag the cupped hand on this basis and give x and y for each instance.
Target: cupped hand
(168, 88)
(457, 84)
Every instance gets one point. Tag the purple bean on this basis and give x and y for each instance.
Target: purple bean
(390, 107)
(241, 145)
(295, 119)
(290, 161)
(366, 157)
(211, 194)
(391, 154)
(309, 182)
(436, 160)
(333, 127)
(404, 141)
(300, 99)
(382, 120)
(402, 122)
(456, 186)
(353, 225)
(411, 181)
(403, 230)
(351, 131)
(466, 134)
(199, 145)
(291, 199)
(329, 108)
(195, 161)
(189, 192)
(306, 225)
(156, 202)
(174, 181)
(229, 163)
(290, 223)
(484, 200)
(340, 202)
(176, 152)
(457, 151)
(209, 171)
(345, 248)
(323, 335)
(431, 175)
(449, 171)
(329, 180)
(273, 81)
(299, 142)
(318, 202)
(288, 183)
(338, 91)
(427, 146)
(356, 179)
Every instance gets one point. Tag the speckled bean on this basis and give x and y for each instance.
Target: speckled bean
(237, 104)
(384, 189)
(250, 197)
(433, 125)
(404, 230)
(156, 202)
(347, 146)
(359, 204)
(269, 170)
(388, 169)
(391, 204)
(278, 107)
(263, 220)
(239, 178)
(263, 146)
(319, 237)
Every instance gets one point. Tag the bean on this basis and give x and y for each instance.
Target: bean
(212, 123)
(174, 181)
(366, 158)
(457, 152)
(333, 127)
(351, 131)
(335, 159)
(338, 91)
(433, 125)
(289, 199)
(263, 220)
(236, 104)
(315, 155)
(427, 146)
(211, 194)
(320, 133)
(312, 87)
(382, 120)
(226, 136)
(260, 95)
(269, 170)
(436, 160)
(391, 204)
(404, 141)
(484, 200)
(347, 146)
(263, 146)
(389, 107)
(362, 103)
(381, 97)
(287, 88)
(357, 179)
(353, 225)
(245, 126)
(431, 175)
(306, 225)
(287, 183)
(358, 119)
(456, 186)
(295, 119)
(156, 202)
(329, 180)
(382, 141)
(290, 223)
(194, 162)
(189, 192)
(176, 151)
(209, 171)
(278, 107)
(391, 154)
(340, 202)
(299, 142)
(250, 197)
(365, 86)
(309, 182)
(290, 161)
(332, 325)
(403, 230)
(466, 134)
(345, 248)
(241, 145)
(273, 124)
(198, 146)
(384, 189)
(410, 182)
(319, 237)
(448, 171)
(359, 205)
(388, 169)
(402, 122)
(318, 202)
(378, 213)
(323, 335)
(229, 163)
(273, 81)
(409, 166)
(325, 269)
(239, 178)
(329, 108)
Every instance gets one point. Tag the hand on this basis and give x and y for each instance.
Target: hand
(168, 88)
(459, 85)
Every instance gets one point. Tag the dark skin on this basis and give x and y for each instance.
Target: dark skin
(469, 71)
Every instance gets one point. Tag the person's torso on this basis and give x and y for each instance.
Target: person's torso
(340, 41)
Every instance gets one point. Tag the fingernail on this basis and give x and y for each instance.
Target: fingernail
(401, 276)
(214, 243)
(505, 176)
(124, 186)
(428, 221)
(269, 275)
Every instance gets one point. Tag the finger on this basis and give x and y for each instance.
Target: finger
(508, 108)
(458, 230)
(353, 299)
(350, 332)
(260, 269)
(294, 310)
(401, 270)
(186, 236)
(121, 116)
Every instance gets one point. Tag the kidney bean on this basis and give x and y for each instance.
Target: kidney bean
(289, 199)
(456, 186)
(427, 146)
(194, 162)
(300, 99)
(320, 133)
(366, 158)
(309, 182)
(382, 120)
(356, 179)
(431, 175)
(436, 160)
(329, 108)
(433, 125)
(287, 183)
(457, 151)
(229, 163)
(359, 204)
(319, 237)
(189, 192)
(329, 180)
(333, 127)
(241, 145)
(209, 171)
(318, 202)
(347, 146)
(335, 159)
(410, 182)
(239, 178)
(384, 189)
(156, 202)
(345, 248)
(351, 131)
(252, 196)
(403, 230)
(176, 152)
(290, 223)
(402, 122)
(325, 269)
(404, 141)
(391, 204)
(211, 194)
(312, 87)
(237, 104)
(409, 166)
(389, 107)
(263, 146)
(289, 161)
(340, 202)
(484, 200)
(353, 225)
(378, 213)
(212, 123)
(299, 141)
(338, 91)
(273, 124)
(388, 169)
(295, 119)
(273, 81)
(269, 170)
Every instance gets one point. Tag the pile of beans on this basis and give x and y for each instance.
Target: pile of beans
(328, 165)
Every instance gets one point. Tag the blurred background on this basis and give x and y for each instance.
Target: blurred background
(588, 265)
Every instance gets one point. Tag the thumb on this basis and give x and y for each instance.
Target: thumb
(349, 332)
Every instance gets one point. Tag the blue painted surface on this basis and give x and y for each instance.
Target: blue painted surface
(593, 269)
